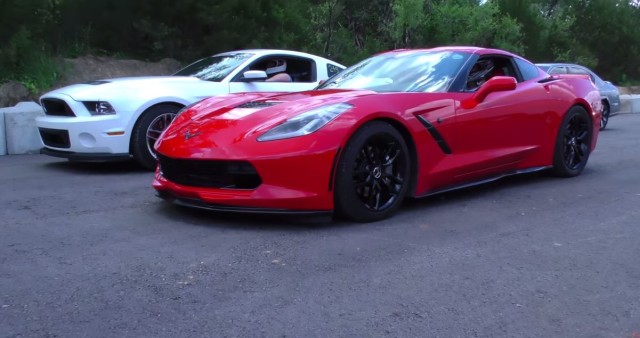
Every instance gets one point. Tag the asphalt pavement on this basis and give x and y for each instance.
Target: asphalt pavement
(87, 250)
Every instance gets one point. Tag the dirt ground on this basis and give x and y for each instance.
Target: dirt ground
(91, 67)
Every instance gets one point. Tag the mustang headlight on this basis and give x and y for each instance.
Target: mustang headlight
(305, 123)
(99, 107)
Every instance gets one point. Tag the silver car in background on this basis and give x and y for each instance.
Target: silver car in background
(609, 93)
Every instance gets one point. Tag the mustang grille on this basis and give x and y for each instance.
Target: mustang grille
(210, 173)
(56, 107)
(55, 137)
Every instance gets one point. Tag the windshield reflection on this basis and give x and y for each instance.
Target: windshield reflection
(409, 71)
(214, 68)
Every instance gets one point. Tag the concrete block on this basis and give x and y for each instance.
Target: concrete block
(3, 137)
(20, 128)
(629, 104)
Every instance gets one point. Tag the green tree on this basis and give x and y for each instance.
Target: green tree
(471, 23)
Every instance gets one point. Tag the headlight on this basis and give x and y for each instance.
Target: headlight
(99, 107)
(305, 123)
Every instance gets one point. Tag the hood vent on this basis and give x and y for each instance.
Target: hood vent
(97, 82)
(258, 104)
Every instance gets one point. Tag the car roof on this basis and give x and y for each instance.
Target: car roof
(261, 52)
(467, 49)
(553, 64)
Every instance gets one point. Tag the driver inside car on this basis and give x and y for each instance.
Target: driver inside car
(479, 74)
(276, 71)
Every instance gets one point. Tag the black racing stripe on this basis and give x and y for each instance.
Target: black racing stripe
(435, 134)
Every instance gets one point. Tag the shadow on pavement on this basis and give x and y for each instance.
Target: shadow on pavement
(97, 168)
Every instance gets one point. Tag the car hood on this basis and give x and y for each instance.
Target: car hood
(225, 120)
(104, 89)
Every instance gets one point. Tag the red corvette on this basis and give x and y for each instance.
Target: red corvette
(402, 123)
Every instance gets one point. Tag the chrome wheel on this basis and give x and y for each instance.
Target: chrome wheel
(156, 127)
(605, 115)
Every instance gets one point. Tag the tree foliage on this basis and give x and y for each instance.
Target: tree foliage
(603, 34)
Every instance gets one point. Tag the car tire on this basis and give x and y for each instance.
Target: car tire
(147, 130)
(373, 174)
(573, 143)
(606, 111)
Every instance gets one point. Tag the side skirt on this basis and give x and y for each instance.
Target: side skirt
(483, 181)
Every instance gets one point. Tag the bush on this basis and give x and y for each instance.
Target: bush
(26, 60)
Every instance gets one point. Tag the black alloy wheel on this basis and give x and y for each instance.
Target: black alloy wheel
(373, 174)
(573, 144)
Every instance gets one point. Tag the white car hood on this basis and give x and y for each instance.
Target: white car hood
(104, 89)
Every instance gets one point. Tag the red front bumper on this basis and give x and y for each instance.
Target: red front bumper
(290, 183)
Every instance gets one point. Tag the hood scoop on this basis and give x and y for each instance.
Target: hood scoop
(97, 82)
(258, 104)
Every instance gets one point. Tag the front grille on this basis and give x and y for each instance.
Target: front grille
(55, 137)
(210, 173)
(56, 107)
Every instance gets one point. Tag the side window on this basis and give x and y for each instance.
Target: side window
(297, 68)
(558, 70)
(529, 71)
(487, 67)
(333, 69)
(578, 70)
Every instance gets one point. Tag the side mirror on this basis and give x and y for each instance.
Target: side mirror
(252, 75)
(495, 84)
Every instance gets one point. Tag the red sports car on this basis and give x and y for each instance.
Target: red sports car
(405, 123)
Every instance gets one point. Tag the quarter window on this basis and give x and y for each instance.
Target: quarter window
(333, 69)
(528, 70)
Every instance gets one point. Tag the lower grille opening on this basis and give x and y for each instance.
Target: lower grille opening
(219, 174)
(56, 138)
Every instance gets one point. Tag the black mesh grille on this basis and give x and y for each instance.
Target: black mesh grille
(55, 137)
(56, 107)
(210, 173)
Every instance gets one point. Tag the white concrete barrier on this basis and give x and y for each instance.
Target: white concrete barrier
(20, 130)
(629, 104)
(3, 137)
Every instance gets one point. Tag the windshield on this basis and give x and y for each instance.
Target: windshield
(409, 71)
(214, 68)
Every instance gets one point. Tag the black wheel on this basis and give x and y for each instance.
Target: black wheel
(606, 111)
(573, 144)
(147, 131)
(373, 174)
